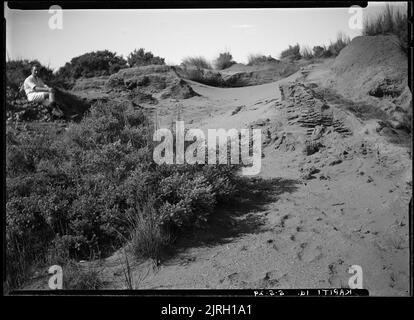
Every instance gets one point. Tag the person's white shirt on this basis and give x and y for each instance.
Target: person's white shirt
(31, 82)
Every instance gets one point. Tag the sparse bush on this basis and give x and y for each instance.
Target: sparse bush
(255, 59)
(147, 235)
(391, 21)
(141, 58)
(198, 62)
(224, 61)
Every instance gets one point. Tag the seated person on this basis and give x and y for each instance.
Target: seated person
(36, 90)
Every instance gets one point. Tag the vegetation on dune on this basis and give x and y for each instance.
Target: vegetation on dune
(139, 58)
(198, 62)
(293, 52)
(224, 61)
(391, 21)
(255, 59)
(332, 50)
(92, 64)
(306, 53)
(84, 192)
(341, 42)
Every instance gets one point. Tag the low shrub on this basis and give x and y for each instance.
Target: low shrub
(76, 277)
(91, 64)
(224, 61)
(321, 52)
(73, 194)
(292, 53)
(139, 58)
(256, 59)
(198, 62)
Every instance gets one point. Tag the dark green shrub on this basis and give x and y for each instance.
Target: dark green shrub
(224, 61)
(293, 53)
(256, 59)
(73, 194)
(341, 42)
(198, 62)
(91, 64)
(141, 58)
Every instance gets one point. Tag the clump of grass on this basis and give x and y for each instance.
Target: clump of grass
(76, 277)
(198, 62)
(131, 279)
(306, 53)
(293, 52)
(255, 59)
(148, 237)
(321, 52)
(224, 61)
(390, 21)
(341, 42)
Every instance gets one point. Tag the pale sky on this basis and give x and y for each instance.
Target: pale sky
(174, 33)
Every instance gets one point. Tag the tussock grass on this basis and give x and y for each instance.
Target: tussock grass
(148, 237)
(391, 20)
(198, 62)
(76, 277)
(306, 53)
(224, 61)
(293, 52)
(255, 59)
(341, 42)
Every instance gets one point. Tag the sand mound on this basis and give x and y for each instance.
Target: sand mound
(158, 80)
(240, 75)
(261, 73)
(374, 69)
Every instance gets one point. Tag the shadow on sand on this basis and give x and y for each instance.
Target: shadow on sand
(245, 215)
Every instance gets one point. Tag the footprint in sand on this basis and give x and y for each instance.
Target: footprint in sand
(336, 269)
(235, 280)
(310, 252)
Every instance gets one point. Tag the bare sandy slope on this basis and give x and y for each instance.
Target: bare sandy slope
(303, 233)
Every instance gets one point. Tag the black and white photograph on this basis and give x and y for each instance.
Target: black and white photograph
(263, 151)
